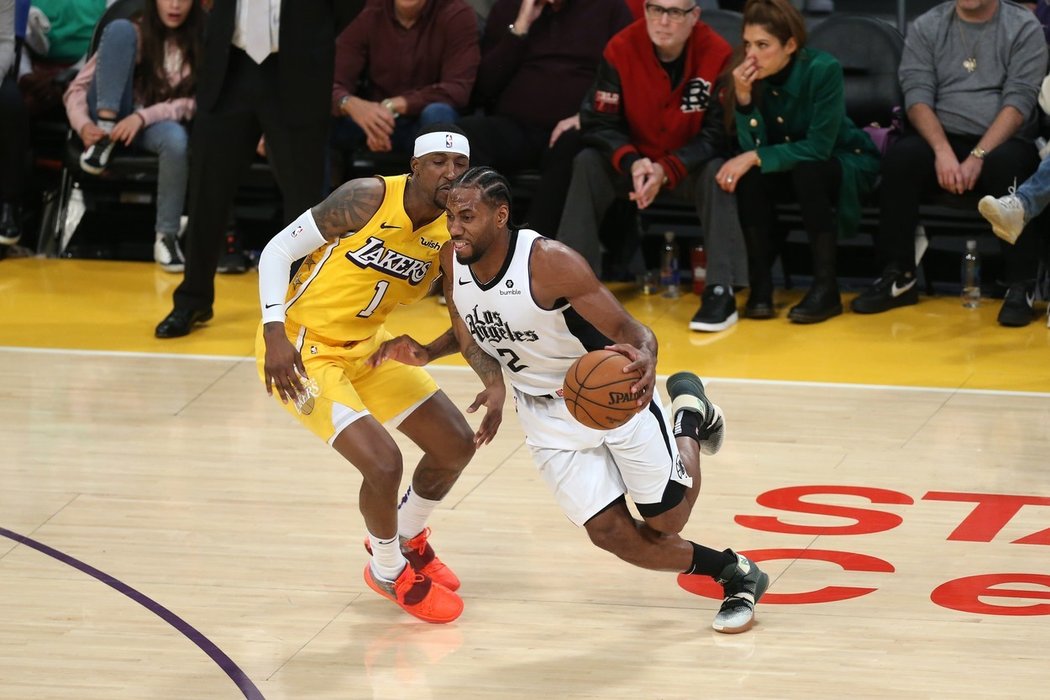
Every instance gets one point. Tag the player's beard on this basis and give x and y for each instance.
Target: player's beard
(468, 259)
(476, 254)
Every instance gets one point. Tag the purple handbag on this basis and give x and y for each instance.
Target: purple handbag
(885, 136)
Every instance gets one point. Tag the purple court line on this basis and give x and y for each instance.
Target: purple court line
(244, 684)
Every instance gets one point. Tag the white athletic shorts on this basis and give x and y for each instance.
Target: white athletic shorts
(588, 469)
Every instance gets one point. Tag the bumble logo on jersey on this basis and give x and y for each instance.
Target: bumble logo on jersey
(376, 255)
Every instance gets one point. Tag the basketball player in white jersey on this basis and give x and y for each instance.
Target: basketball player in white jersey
(534, 305)
(371, 246)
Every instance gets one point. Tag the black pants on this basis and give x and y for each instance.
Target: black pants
(909, 178)
(14, 141)
(222, 146)
(510, 146)
(815, 186)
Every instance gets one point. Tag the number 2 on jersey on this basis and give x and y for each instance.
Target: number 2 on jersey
(514, 363)
(381, 287)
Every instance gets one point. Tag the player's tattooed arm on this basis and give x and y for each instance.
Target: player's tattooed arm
(444, 344)
(494, 395)
(349, 207)
(483, 364)
(447, 343)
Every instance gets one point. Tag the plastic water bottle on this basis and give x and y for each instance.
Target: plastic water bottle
(669, 275)
(971, 276)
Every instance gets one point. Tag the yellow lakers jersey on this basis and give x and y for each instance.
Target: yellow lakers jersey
(345, 290)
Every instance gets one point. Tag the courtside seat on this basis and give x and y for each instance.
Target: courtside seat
(130, 177)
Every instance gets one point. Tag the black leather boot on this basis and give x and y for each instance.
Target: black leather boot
(822, 301)
(759, 271)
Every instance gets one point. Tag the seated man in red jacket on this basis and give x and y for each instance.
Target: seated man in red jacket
(653, 121)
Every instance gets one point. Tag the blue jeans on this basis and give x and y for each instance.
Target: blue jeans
(348, 136)
(1034, 192)
(112, 88)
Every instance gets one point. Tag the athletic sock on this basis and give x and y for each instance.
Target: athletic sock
(687, 424)
(710, 562)
(413, 513)
(387, 560)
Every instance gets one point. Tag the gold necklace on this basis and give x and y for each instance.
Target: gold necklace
(970, 63)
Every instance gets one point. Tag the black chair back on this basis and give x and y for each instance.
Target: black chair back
(121, 9)
(869, 50)
(727, 24)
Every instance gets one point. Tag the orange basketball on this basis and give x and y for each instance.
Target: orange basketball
(598, 393)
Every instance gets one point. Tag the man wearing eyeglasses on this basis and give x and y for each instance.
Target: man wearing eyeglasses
(653, 122)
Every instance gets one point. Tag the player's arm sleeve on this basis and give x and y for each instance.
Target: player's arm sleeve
(298, 239)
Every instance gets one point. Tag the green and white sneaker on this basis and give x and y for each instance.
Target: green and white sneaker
(687, 394)
(743, 584)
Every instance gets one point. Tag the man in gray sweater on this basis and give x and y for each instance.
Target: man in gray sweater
(970, 73)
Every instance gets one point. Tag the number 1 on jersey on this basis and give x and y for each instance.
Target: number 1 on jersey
(381, 287)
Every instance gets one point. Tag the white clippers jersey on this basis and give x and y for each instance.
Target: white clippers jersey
(535, 346)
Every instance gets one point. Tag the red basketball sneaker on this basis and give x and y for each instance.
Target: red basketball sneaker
(423, 559)
(418, 595)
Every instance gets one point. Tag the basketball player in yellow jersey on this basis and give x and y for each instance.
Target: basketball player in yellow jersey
(372, 245)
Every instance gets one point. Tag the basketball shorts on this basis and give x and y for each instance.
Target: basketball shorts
(588, 469)
(342, 388)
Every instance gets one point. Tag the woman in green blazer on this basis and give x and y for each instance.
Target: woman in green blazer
(788, 108)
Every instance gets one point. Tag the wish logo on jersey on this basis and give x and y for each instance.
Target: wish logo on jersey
(489, 327)
(376, 255)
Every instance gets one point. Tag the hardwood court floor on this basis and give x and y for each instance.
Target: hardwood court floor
(167, 532)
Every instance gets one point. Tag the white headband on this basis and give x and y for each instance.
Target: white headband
(441, 141)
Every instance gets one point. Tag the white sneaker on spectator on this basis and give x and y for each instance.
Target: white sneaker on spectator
(717, 309)
(168, 254)
(95, 158)
(1005, 214)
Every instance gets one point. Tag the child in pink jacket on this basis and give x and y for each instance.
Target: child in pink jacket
(138, 88)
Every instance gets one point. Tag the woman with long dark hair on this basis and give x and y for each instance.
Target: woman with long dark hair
(788, 108)
(138, 88)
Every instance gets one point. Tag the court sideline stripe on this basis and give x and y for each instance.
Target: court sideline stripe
(239, 677)
(458, 368)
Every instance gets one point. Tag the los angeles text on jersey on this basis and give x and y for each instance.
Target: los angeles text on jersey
(489, 326)
(376, 255)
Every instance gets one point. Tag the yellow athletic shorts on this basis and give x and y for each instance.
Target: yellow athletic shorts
(341, 387)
